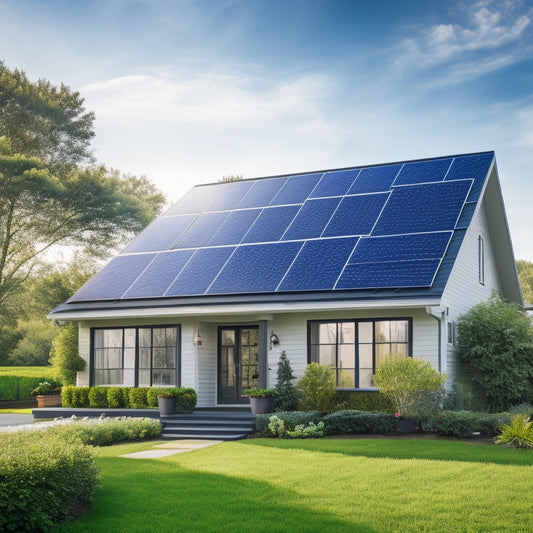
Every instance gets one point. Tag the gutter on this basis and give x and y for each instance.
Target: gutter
(440, 317)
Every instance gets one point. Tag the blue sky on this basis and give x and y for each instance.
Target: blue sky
(188, 91)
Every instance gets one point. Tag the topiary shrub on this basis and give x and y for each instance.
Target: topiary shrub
(186, 400)
(66, 396)
(363, 401)
(291, 419)
(118, 397)
(286, 393)
(98, 397)
(137, 397)
(317, 388)
(80, 397)
(496, 343)
(360, 422)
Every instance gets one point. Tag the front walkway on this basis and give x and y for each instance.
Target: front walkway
(15, 419)
(171, 448)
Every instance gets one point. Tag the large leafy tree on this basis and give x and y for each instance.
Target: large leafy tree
(525, 274)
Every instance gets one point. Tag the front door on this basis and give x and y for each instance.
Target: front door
(238, 362)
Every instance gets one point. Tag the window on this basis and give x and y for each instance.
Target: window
(451, 333)
(481, 260)
(355, 348)
(136, 356)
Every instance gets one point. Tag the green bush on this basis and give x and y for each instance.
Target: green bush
(185, 397)
(524, 408)
(291, 419)
(151, 395)
(98, 397)
(118, 397)
(496, 343)
(286, 393)
(80, 397)
(66, 396)
(363, 401)
(9, 386)
(361, 422)
(518, 434)
(64, 354)
(276, 428)
(317, 388)
(42, 479)
(137, 396)
(465, 423)
(14, 387)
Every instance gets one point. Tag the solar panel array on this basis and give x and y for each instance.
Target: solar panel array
(386, 226)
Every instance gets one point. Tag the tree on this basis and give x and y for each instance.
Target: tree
(496, 343)
(65, 357)
(525, 275)
(317, 388)
(286, 395)
(231, 177)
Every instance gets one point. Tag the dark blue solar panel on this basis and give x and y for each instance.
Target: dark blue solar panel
(196, 200)
(296, 189)
(335, 183)
(375, 179)
(233, 193)
(466, 214)
(255, 268)
(356, 215)
(318, 265)
(401, 247)
(471, 166)
(271, 224)
(161, 272)
(388, 275)
(312, 219)
(202, 230)
(114, 279)
(262, 192)
(423, 171)
(200, 271)
(423, 208)
(235, 226)
(160, 234)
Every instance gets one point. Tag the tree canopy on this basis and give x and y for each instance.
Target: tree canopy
(525, 274)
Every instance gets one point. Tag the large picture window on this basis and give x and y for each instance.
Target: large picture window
(135, 356)
(355, 348)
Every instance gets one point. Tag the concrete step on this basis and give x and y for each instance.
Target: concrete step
(203, 436)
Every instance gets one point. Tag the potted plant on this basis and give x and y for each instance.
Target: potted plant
(47, 395)
(166, 401)
(261, 400)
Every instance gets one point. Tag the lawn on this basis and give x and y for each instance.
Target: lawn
(27, 371)
(315, 485)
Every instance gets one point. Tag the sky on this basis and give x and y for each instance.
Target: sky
(186, 92)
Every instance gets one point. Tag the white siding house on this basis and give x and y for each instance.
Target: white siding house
(343, 267)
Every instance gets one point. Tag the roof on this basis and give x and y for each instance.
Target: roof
(380, 231)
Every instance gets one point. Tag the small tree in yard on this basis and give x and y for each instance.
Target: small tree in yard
(496, 343)
(317, 388)
(65, 357)
(286, 395)
(407, 382)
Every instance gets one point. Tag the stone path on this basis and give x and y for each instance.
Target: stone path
(171, 448)
(15, 419)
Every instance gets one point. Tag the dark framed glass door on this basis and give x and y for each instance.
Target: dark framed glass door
(238, 362)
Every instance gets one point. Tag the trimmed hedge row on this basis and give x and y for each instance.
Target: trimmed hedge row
(126, 397)
(13, 387)
(363, 401)
(43, 478)
(464, 423)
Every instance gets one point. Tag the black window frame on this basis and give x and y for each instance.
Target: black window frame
(357, 321)
(136, 328)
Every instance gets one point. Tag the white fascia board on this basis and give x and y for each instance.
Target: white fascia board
(243, 309)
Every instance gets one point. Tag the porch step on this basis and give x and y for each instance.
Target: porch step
(209, 425)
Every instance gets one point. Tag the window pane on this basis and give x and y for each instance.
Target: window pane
(383, 352)
(326, 355)
(328, 333)
(162, 377)
(347, 332)
(346, 378)
(129, 358)
(365, 356)
(382, 329)
(145, 337)
(228, 338)
(365, 332)
(171, 336)
(144, 378)
(365, 378)
(129, 338)
(346, 356)
(399, 330)
(398, 350)
(159, 337)
(159, 357)
(98, 338)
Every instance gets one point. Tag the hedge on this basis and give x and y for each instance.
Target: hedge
(363, 401)
(361, 422)
(464, 423)
(43, 478)
(13, 387)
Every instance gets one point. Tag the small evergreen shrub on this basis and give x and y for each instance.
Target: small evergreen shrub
(137, 396)
(463, 424)
(66, 396)
(151, 395)
(518, 434)
(363, 401)
(360, 422)
(525, 409)
(98, 397)
(186, 400)
(42, 479)
(317, 388)
(276, 428)
(290, 419)
(80, 397)
(286, 394)
(118, 397)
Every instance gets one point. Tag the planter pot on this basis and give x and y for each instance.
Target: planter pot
(49, 400)
(407, 425)
(167, 406)
(262, 405)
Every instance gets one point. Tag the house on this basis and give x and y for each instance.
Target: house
(342, 267)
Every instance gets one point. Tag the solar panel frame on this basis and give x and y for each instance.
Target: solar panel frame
(234, 227)
(201, 232)
(297, 189)
(271, 224)
(375, 179)
(311, 219)
(262, 193)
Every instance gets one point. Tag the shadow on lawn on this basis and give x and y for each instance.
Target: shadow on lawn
(153, 496)
(438, 450)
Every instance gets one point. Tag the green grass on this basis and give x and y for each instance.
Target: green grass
(265, 485)
(27, 371)
(16, 411)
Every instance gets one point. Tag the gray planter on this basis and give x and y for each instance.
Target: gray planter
(167, 406)
(262, 405)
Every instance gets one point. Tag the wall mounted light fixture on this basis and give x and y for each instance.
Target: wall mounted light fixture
(274, 339)
(198, 339)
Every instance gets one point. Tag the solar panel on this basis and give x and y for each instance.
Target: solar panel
(159, 274)
(200, 271)
(374, 179)
(394, 274)
(312, 219)
(161, 234)
(335, 183)
(202, 230)
(466, 214)
(232, 194)
(113, 280)
(196, 200)
(296, 189)
(234, 227)
(423, 208)
(262, 192)
(471, 166)
(271, 224)
(356, 215)
(255, 268)
(318, 265)
(423, 171)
